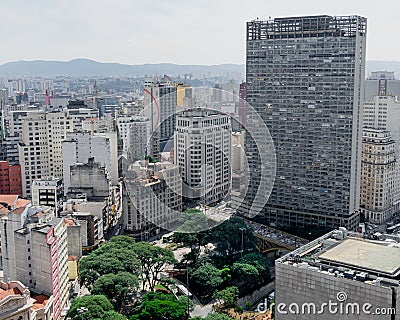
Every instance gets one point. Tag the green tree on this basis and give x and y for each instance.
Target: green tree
(262, 265)
(192, 233)
(94, 266)
(168, 283)
(152, 260)
(244, 272)
(116, 287)
(227, 238)
(156, 306)
(207, 277)
(97, 306)
(227, 296)
(192, 221)
(112, 315)
(214, 316)
(114, 256)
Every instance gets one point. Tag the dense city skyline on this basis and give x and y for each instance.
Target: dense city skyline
(199, 160)
(191, 33)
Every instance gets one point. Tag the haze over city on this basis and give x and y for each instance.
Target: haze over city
(182, 32)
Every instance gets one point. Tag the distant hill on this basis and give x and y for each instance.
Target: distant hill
(86, 67)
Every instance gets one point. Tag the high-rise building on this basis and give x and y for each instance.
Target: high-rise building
(47, 85)
(13, 131)
(91, 181)
(202, 150)
(152, 198)
(90, 178)
(40, 151)
(107, 104)
(160, 101)
(134, 131)
(382, 112)
(10, 178)
(3, 102)
(79, 115)
(91, 229)
(34, 252)
(74, 238)
(305, 77)
(78, 147)
(342, 275)
(184, 94)
(217, 93)
(15, 86)
(242, 103)
(379, 176)
(381, 83)
(139, 140)
(97, 125)
(48, 192)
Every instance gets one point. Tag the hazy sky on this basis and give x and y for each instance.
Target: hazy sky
(177, 31)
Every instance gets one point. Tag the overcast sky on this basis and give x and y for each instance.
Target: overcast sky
(176, 31)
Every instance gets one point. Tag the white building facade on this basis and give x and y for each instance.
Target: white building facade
(80, 146)
(152, 198)
(202, 150)
(40, 152)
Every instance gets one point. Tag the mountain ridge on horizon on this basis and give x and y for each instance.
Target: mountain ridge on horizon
(89, 67)
(117, 63)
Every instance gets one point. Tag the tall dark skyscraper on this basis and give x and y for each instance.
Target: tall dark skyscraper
(305, 76)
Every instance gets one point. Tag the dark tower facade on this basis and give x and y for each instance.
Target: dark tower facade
(305, 77)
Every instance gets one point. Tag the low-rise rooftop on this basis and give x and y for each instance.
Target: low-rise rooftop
(41, 301)
(373, 259)
(371, 256)
(11, 202)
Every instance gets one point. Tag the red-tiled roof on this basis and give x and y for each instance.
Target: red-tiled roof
(22, 203)
(41, 301)
(8, 199)
(10, 292)
(72, 258)
(11, 201)
(69, 222)
(3, 209)
(18, 210)
(39, 214)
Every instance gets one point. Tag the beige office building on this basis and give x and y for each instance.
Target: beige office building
(379, 188)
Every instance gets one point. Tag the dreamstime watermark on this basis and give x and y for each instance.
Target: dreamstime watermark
(340, 306)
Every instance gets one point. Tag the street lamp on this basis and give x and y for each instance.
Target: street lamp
(241, 251)
(82, 311)
(187, 288)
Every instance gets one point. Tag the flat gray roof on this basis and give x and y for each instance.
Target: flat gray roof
(366, 255)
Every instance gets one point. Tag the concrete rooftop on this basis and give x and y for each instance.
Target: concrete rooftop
(379, 258)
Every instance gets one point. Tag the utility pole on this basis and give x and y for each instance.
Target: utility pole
(187, 288)
(241, 251)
